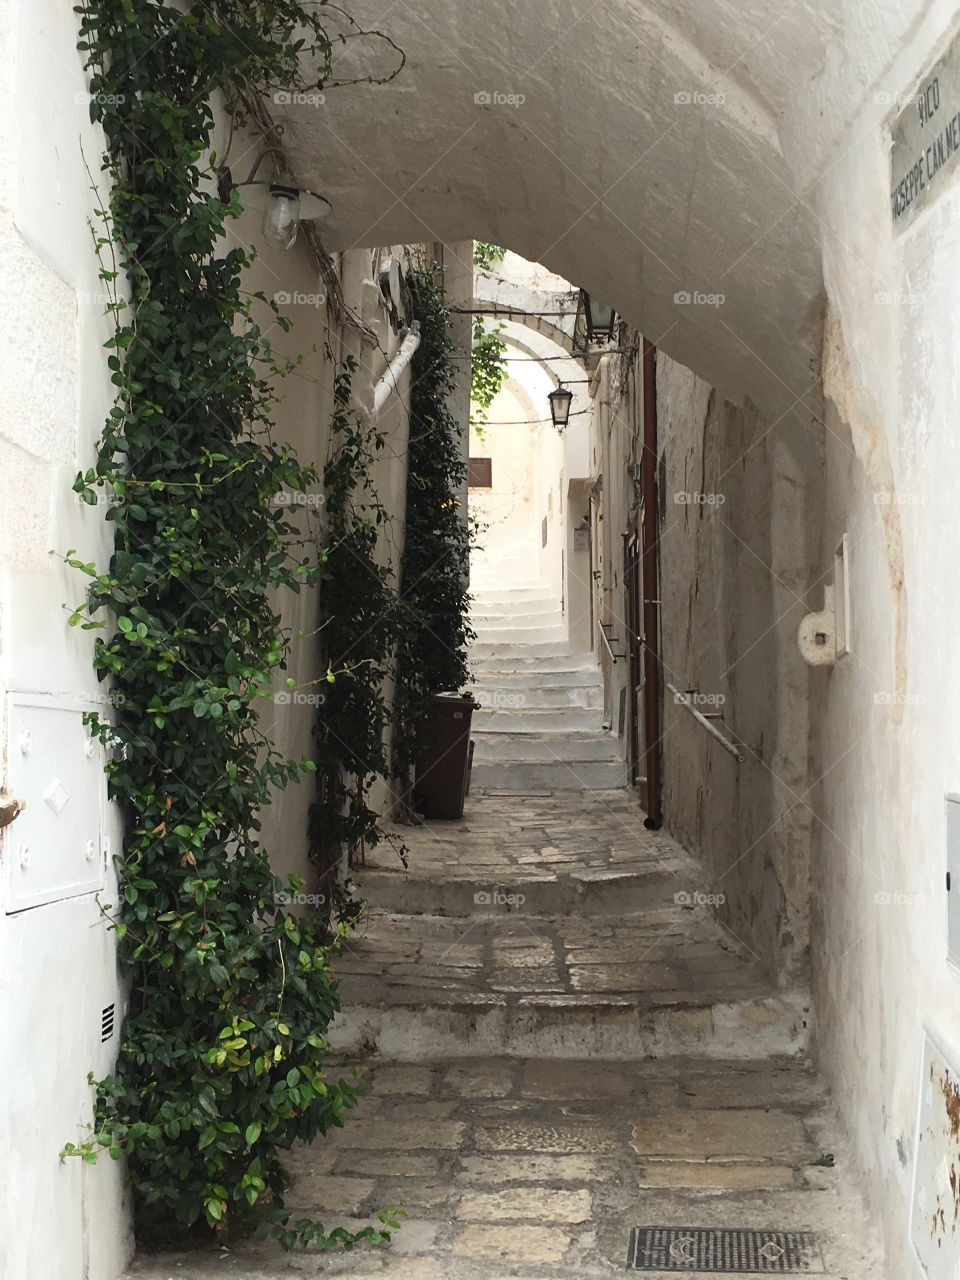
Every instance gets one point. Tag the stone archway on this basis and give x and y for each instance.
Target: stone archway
(608, 145)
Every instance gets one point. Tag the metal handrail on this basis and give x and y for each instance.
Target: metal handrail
(683, 700)
(606, 641)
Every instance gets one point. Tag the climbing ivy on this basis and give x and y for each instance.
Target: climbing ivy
(358, 631)
(488, 369)
(220, 1061)
(486, 255)
(431, 654)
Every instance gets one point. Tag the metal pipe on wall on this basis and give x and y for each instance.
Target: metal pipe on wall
(651, 590)
(390, 380)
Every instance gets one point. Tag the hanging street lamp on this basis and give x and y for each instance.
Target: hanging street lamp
(595, 324)
(560, 400)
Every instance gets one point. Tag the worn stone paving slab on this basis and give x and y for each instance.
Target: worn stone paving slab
(652, 1077)
(500, 1180)
(559, 834)
(628, 934)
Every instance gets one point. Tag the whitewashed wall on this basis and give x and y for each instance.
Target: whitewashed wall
(57, 968)
(886, 717)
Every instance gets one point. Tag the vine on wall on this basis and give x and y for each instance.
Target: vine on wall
(220, 1062)
(486, 255)
(434, 600)
(358, 604)
(488, 369)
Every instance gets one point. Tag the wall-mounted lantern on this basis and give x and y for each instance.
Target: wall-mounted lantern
(560, 400)
(595, 324)
(284, 203)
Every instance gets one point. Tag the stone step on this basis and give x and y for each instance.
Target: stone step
(494, 593)
(535, 658)
(573, 775)
(520, 637)
(514, 608)
(581, 891)
(493, 695)
(499, 717)
(523, 622)
(417, 1025)
(509, 651)
(552, 681)
(536, 748)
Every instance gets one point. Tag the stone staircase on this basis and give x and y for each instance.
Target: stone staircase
(540, 726)
(551, 927)
(560, 1042)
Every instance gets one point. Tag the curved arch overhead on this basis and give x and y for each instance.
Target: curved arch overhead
(634, 149)
(531, 296)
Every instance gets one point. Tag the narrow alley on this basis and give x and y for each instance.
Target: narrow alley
(479, 770)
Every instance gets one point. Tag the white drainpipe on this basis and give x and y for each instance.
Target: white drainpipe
(388, 383)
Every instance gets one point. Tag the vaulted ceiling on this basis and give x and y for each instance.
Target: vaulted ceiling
(664, 155)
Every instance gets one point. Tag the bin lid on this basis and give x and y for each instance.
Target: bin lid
(444, 699)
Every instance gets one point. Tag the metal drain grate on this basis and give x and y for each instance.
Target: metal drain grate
(723, 1249)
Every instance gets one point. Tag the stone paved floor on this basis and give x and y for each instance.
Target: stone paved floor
(516, 855)
(538, 836)
(553, 925)
(537, 1167)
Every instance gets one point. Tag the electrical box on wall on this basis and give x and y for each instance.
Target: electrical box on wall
(55, 847)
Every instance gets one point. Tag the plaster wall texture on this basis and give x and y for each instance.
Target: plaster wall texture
(885, 716)
(56, 960)
(616, 442)
(640, 163)
(305, 402)
(735, 504)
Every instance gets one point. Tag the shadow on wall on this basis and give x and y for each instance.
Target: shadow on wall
(738, 523)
